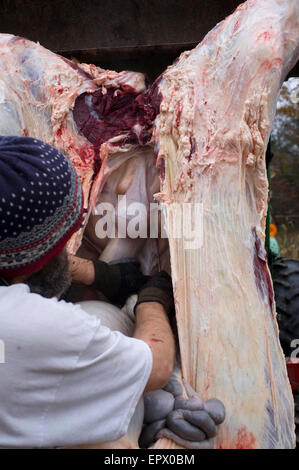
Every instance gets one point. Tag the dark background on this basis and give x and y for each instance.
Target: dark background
(142, 35)
(72, 24)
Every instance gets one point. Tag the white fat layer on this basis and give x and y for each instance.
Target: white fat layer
(38, 90)
(216, 115)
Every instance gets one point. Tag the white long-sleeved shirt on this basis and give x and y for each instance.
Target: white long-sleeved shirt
(67, 379)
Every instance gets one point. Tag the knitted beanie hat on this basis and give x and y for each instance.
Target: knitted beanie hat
(41, 204)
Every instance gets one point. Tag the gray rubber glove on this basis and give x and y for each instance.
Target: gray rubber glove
(189, 422)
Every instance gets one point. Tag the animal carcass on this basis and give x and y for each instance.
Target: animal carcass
(73, 108)
(212, 113)
(214, 123)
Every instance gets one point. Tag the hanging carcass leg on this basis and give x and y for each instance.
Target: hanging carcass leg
(214, 123)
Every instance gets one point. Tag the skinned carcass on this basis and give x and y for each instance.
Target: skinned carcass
(46, 96)
(212, 111)
(37, 90)
(212, 131)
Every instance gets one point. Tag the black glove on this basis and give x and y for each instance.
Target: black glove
(119, 280)
(158, 289)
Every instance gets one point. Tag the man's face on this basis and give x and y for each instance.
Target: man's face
(53, 279)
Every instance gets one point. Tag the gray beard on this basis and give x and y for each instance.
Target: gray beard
(53, 279)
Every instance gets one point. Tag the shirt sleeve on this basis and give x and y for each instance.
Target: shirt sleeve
(96, 399)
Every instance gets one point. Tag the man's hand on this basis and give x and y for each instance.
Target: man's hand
(81, 270)
(189, 422)
(158, 289)
(116, 281)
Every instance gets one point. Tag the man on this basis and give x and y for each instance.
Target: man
(68, 379)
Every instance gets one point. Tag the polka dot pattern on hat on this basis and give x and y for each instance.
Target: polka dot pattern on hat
(40, 202)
